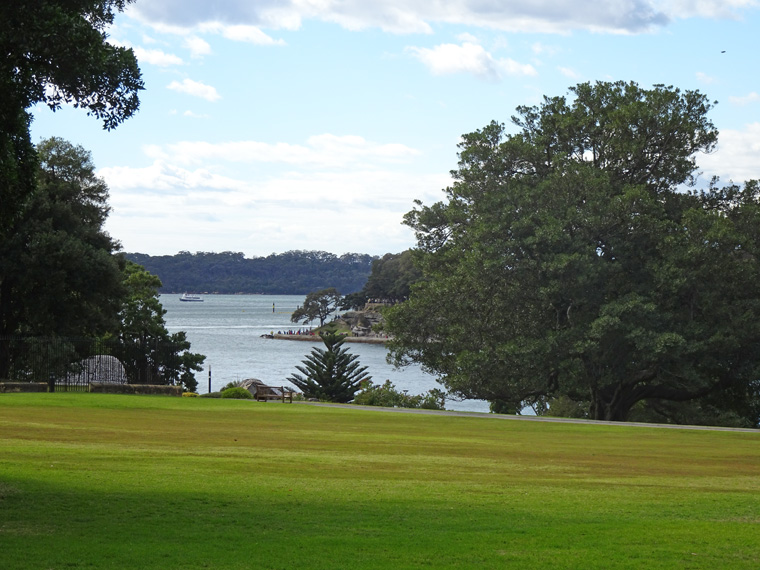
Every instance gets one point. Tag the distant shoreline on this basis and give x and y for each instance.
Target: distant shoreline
(316, 338)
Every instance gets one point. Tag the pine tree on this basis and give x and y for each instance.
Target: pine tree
(331, 374)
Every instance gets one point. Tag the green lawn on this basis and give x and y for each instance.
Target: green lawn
(100, 481)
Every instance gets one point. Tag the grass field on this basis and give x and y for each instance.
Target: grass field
(101, 481)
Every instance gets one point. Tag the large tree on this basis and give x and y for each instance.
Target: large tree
(317, 305)
(56, 52)
(148, 351)
(570, 259)
(392, 277)
(58, 272)
(60, 275)
(332, 373)
(390, 280)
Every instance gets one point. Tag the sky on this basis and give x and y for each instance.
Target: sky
(268, 126)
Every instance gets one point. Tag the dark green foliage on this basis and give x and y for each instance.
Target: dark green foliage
(569, 261)
(317, 305)
(289, 273)
(564, 407)
(233, 384)
(391, 280)
(236, 393)
(58, 272)
(148, 351)
(389, 397)
(18, 166)
(56, 265)
(353, 301)
(330, 374)
(56, 52)
(392, 277)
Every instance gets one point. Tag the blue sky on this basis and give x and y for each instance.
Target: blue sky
(277, 125)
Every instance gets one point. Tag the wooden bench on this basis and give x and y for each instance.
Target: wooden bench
(266, 393)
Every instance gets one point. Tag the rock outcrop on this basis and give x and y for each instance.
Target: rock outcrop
(363, 323)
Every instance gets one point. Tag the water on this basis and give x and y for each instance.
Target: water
(228, 328)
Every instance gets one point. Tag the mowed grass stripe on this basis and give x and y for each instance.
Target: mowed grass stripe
(147, 482)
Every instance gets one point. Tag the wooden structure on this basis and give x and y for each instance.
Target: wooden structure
(263, 393)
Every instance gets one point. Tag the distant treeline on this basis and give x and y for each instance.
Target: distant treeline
(289, 273)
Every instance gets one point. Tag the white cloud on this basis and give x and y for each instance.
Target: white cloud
(749, 98)
(569, 73)
(471, 58)
(159, 226)
(704, 78)
(542, 49)
(262, 214)
(712, 9)
(465, 37)
(157, 57)
(323, 151)
(419, 16)
(737, 156)
(197, 46)
(195, 88)
(163, 177)
(240, 33)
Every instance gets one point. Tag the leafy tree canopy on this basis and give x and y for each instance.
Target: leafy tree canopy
(317, 305)
(331, 374)
(392, 277)
(56, 52)
(146, 348)
(569, 260)
(58, 271)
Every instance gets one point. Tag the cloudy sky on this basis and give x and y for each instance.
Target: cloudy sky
(275, 125)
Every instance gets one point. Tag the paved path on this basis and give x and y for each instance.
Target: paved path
(481, 415)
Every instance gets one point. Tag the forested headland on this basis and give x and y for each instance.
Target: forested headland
(289, 273)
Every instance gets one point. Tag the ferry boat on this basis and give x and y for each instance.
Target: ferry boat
(191, 297)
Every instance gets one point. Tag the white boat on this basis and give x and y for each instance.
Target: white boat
(191, 297)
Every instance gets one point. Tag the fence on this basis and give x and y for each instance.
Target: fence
(71, 364)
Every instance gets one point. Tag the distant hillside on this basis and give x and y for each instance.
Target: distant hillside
(290, 273)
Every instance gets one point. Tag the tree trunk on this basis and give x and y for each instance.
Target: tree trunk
(611, 406)
(5, 331)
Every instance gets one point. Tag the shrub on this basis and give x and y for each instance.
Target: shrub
(211, 395)
(189, 395)
(237, 393)
(388, 397)
(564, 407)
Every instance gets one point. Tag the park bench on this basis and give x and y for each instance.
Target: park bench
(266, 393)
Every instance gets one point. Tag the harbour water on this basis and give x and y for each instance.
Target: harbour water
(228, 329)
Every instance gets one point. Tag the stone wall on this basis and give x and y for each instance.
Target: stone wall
(151, 389)
(23, 387)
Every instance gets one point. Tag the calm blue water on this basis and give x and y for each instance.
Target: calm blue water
(228, 329)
